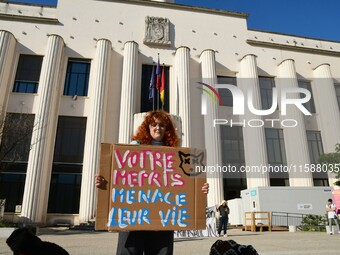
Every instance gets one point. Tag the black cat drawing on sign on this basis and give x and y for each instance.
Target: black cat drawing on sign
(190, 161)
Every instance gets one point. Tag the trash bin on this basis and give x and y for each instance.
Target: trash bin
(292, 228)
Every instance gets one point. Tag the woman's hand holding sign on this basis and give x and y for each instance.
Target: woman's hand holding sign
(100, 181)
(205, 188)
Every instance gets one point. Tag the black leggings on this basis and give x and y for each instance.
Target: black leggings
(145, 242)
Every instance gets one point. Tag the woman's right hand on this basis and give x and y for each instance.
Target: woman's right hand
(99, 180)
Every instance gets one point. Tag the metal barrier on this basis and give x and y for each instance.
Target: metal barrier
(284, 219)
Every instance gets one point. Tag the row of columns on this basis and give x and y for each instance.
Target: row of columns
(35, 199)
(39, 168)
(255, 149)
(328, 109)
(254, 138)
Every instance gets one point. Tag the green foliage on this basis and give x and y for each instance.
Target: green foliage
(337, 148)
(3, 224)
(314, 223)
(332, 160)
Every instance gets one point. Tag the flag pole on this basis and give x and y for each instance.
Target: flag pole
(156, 85)
(153, 100)
(153, 89)
(152, 86)
(163, 79)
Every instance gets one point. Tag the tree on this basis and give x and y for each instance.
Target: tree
(15, 138)
(332, 160)
(15, 142)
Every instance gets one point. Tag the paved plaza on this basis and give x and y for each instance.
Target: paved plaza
(266, 243)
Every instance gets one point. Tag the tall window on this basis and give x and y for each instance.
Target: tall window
(28, 74)
(67, 165)
(314, 145)
(337, 91)
(226, 96)
(154, 103)
(77, 77)
(233, 154)
(14, 151)
(276, 155)
(310, 106)
(266, 88)
(69, 146)
(315, 150)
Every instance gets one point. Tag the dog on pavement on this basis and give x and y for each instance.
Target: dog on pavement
(23, 242)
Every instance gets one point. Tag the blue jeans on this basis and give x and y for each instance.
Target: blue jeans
(224, 223)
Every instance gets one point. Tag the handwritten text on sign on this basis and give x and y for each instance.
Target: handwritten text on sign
(149, 190)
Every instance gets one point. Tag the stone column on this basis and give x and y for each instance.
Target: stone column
(38, 176)
(212, 134)
(127, 101)
(254, 137)
(295, 138)
(327, 109)
(94, 129)
(7, 54)
(183, 84)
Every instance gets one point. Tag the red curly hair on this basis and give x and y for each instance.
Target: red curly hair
(143, 133)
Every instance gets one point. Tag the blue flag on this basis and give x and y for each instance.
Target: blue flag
(152, 84)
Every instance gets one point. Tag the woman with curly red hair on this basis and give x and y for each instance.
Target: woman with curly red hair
(156, 129)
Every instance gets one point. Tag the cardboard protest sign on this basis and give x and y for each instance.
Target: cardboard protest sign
(336, 199)
(151, 188)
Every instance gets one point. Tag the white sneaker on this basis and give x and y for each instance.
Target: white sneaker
(226, 235)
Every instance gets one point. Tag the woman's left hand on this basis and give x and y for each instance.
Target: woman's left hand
(205, 188)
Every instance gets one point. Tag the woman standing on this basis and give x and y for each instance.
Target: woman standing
(156, 129)
(223, 209)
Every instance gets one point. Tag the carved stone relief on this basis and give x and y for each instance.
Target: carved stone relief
(157, 31)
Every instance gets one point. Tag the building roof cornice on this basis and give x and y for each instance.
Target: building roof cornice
(299, 36)
(7, 16)
(292, 47)
(182, 7)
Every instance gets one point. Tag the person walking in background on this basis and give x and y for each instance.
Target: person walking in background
(331, 213)
(156, 129)
(224, 211)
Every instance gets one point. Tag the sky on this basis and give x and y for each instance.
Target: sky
(309, 18)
